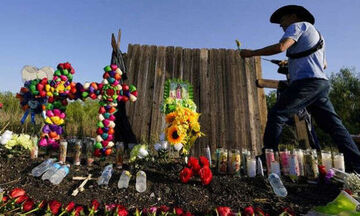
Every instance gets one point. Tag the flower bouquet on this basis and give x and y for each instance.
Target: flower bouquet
(182, 121)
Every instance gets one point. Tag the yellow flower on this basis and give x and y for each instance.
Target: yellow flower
(170, 117)
(174, 135)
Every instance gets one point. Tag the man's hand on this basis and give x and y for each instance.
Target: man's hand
(245, 53)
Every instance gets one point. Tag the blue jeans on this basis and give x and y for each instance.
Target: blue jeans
(313, 95)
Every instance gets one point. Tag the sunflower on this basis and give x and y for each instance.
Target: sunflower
(170, 117)
(174, 135)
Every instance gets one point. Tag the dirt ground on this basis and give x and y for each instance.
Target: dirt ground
(165, 188)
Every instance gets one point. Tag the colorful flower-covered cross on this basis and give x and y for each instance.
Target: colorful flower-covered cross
(50, 97)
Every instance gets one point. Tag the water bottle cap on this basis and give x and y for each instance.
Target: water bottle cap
(127, 173)
(66, 168)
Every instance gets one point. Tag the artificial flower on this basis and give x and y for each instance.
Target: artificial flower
(185, 175)
(223, 211)
(174, 135)
(94, 207)
(249, 211)
(21, 199)
(121, 210)
(16, 192)
(178, 211)
(54, 207)
(79, 210)
(169, 118)
(27, 205)
(164, 209)
(204, 161)
(193, 163)
(205, 175)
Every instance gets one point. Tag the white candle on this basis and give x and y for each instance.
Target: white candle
(300, 157)
(326, 160)
(251, 167)
(339, 161)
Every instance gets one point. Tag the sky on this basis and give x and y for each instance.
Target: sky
(44, 33)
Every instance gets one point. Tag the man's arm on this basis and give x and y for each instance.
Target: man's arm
(269, 50)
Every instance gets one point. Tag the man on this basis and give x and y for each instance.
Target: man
(309, 86)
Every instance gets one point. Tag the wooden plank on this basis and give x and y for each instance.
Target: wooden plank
(178, 67)
(234, 97)
(257, 121)
(204, 97)
(195, 80)
(149, 76)
(158, 91)
(229, 100)
(140, 76)
(244, 114)
(132, 67)
(261, 97)
(212, 95)
(251, 106)
(170, 61)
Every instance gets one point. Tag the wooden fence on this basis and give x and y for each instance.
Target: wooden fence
(233, 109)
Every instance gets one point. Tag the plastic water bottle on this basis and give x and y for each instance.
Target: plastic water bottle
(59, 174)
(140, 181)
(40, 169)
(124, 179)
(106, 175)
(277, 185)
(51, 171)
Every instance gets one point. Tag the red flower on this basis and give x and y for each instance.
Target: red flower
(178, 211)
(223, 211)
(28, 205)
(21, 199)
(249, 211)
(16, 192)
(121, 210)
(54, 206)
(185, 175)
(289, 211)
(260, 212)
(79, 210)
(70, 206)
(193, 163)
(322, 170)
(95, 205)
(348, 191)
(205, 175)
(42, 204)
(187, 214)
(164, 208)
(204, 161)
(5, 199)
(1, 105)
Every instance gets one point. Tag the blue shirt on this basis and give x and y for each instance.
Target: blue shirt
(312, 66)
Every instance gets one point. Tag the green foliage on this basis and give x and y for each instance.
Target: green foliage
(81, 117)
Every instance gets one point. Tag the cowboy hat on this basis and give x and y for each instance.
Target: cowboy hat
(300, 12)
